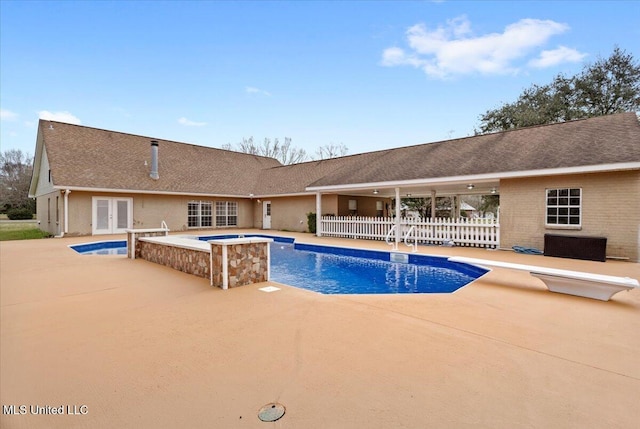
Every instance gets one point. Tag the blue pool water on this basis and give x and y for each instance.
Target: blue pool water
(332, 270)
(113, 247)
(337, 270)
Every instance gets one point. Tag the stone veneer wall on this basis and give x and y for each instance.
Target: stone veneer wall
(186, 260)
(247, 263)
(132, 237)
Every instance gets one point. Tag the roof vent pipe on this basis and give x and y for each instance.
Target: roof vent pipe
(154, 160)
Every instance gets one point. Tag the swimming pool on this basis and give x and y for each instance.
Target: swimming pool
(341, 270)
(111, 247)
(334, 270)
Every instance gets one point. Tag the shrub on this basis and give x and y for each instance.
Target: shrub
(311, 222)
(19, 214)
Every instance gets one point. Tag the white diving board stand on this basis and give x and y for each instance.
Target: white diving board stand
(596, 286)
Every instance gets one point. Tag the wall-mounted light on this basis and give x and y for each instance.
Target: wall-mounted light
(408, 195)
(258, 201)
(376, 192)
(494, 190)
(470, 186)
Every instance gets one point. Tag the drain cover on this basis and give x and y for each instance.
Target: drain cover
(271, 412)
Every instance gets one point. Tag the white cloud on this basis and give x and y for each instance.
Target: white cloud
(557, 56)
(453, 49)
(254, 90)
(8, 115)
(59, 117)
(397, 57)
(187, 123)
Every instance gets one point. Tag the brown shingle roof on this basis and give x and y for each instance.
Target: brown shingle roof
(289, 179)
(93, 158)
(603, 140)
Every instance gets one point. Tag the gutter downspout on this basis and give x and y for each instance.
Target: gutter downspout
(65, 228)
(66, 210)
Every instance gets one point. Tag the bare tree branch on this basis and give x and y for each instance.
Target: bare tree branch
(331, 150)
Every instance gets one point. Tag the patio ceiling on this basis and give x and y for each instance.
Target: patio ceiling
(483, 187)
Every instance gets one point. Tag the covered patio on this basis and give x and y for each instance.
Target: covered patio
(396, 229)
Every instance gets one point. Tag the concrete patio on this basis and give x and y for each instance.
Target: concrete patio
(140, 345)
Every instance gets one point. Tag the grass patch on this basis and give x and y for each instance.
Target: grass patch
(22, 234)
(20, 230)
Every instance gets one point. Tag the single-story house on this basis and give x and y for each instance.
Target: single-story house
(578, 178)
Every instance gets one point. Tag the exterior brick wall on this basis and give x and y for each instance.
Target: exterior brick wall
(610, 208)
(186, 260)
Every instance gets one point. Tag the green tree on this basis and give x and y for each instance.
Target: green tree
(607, 86)
(423, 206)
(489, 204)
(420, 205)
(15, 179)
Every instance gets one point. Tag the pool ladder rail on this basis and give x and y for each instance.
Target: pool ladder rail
(414, 246)
(387, 239)
(394, 245)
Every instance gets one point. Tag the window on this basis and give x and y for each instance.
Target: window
(379, 208)
(564, 207)
(199, 214)
(353, 207)
(226, 213)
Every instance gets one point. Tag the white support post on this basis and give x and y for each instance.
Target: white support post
(268, 262)
(433, 213)
(398, 231)
(433, 205)
(456, 206)
(210, 264)
(66, 210)
(225, 267)
(318, 214)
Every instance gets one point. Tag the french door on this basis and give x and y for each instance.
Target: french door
(111, 215)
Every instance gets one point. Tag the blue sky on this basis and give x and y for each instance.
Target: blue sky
(369, 75)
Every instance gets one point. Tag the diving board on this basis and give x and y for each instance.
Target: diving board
(596, 286)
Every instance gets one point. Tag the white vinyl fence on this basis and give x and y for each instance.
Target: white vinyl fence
(461, 231)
